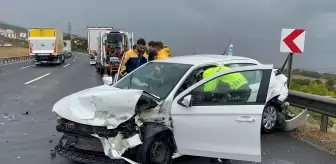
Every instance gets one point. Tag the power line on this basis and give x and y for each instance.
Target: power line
(69, 30)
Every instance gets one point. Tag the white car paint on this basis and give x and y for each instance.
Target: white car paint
(222, 131)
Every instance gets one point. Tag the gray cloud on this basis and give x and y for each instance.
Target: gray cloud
(203, 25)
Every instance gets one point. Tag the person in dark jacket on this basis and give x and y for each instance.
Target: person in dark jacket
(152, 52)
(134, 58)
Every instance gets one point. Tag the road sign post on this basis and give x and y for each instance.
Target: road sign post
(292, 42)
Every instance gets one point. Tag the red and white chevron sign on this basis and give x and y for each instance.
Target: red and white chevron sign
(292, 40)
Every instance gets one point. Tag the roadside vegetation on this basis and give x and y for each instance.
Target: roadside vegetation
(323, 85)
(13, 51)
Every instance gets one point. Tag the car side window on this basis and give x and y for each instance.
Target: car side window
(228, 89)
(192, 79)
(254, 77)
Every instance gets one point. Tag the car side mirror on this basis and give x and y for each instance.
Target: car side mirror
(186, 101)
(107, 80)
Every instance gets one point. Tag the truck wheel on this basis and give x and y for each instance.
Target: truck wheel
(156, 150)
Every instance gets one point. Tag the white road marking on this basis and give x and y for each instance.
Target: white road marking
(66, 65)
(27, 66)
(74, 60)
(37, 78)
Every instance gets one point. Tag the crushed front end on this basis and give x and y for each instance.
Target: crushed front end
(79, 144)
(107, 137)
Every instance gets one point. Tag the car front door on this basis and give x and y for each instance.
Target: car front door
(226, 125)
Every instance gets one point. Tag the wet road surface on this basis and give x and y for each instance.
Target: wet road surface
(27, 124)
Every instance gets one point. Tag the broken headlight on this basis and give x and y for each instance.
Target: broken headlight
(59, 120)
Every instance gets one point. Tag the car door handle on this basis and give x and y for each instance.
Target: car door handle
(245, 119)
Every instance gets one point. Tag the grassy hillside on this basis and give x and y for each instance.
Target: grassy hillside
(309, 78)
(13, 51)
(16, 28)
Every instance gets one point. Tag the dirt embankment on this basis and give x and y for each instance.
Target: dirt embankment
(13, 52)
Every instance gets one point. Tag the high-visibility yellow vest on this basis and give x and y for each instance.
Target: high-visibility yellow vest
(165, 47)
(234, 80)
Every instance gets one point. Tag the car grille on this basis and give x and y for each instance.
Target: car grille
(66, 126)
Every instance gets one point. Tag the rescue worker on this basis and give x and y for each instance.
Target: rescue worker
(134, 58)
(167, 49)
(227, 84)
(161, 52)
(152, 52)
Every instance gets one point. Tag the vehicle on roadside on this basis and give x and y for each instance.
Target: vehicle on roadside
(67, 48)
(46, 45)
(152, 114)
(93, 58)
(95, 48)
(117, 40)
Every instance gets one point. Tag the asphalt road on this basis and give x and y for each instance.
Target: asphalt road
(28, 138)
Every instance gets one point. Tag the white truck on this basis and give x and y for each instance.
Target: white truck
(119, 42)
(94, 45)
(67, 48)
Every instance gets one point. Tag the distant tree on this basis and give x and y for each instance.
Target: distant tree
(301, 81)
(317, 81)
(330, 83)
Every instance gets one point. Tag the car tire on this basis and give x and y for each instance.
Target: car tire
(269, 119)
(156, 150)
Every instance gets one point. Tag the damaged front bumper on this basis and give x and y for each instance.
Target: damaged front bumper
(89, 141)
(295, 122)
(292, 122)
(83, 150)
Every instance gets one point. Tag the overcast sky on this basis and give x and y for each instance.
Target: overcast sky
(203, 25)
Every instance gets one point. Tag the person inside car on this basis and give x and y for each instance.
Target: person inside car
(234, 86)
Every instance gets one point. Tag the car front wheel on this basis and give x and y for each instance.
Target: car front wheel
(269, 119)
(156, 150)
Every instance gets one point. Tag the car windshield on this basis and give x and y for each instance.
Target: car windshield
(155, 77)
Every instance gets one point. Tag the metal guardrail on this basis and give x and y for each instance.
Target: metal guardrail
(7, 60)
(320, 104)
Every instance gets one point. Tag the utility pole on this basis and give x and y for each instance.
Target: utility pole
(69, 30)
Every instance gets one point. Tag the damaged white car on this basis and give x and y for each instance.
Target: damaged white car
(160, 110)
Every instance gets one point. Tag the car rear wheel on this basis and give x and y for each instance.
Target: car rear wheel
(156, 150)
(269, 118)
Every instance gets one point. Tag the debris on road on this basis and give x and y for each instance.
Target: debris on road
(26, 113)
(52, 154)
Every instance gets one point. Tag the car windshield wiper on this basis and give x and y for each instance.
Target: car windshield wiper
(152, 95)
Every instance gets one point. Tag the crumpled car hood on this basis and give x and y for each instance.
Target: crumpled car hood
(99, 106)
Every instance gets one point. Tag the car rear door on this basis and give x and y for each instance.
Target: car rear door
(222, 129)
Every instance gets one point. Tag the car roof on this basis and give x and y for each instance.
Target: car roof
(204, 58)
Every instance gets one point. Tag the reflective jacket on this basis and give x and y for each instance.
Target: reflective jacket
(162, 54)
(234, 80)
(132, 60)
(167, 50)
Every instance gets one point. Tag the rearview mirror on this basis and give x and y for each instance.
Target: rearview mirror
(186, 101)
(107, 80)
